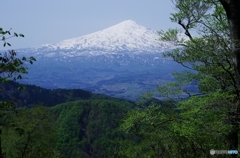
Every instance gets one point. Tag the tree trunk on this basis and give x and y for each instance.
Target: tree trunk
(1, 154)
(232, 8)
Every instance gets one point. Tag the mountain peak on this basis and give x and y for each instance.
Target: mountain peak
(126, 27)
(125, 36)
(127, 23)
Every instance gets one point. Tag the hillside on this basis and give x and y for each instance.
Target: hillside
(89, 128)
(31, 94)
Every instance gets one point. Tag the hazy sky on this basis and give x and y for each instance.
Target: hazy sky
(49, 21)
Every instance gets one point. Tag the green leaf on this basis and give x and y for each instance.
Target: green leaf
(15, 34)
(32, 58)
(21, 87)
(21, 35)
(19, 77)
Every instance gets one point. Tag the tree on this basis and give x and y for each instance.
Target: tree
(186, 129)
(11, 68)
(213, 56)
(202, 119)
(232, 9)
(30, 133)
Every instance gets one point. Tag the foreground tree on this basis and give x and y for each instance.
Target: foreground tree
(232, 9)
(30, 133)
(171, 130)
(11, 68)
(214, 55)
(209, 119)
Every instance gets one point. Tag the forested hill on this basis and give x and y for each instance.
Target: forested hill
(86, 127)
(89, 128)
(31, 94)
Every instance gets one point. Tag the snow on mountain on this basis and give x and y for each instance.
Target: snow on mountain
(123, 61)
(125, 36)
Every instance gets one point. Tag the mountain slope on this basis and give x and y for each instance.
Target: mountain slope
(123, 60)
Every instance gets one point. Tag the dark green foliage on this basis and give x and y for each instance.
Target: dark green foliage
(4, 35)
(11, 68)
(29, 133)
(31, 94)
(89, 128)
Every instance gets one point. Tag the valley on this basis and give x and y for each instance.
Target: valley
(115, 75)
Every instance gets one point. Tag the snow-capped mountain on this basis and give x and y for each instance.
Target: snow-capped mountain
(125, 36)
(123, 60)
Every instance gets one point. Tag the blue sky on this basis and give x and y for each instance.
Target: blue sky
(49, 21)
